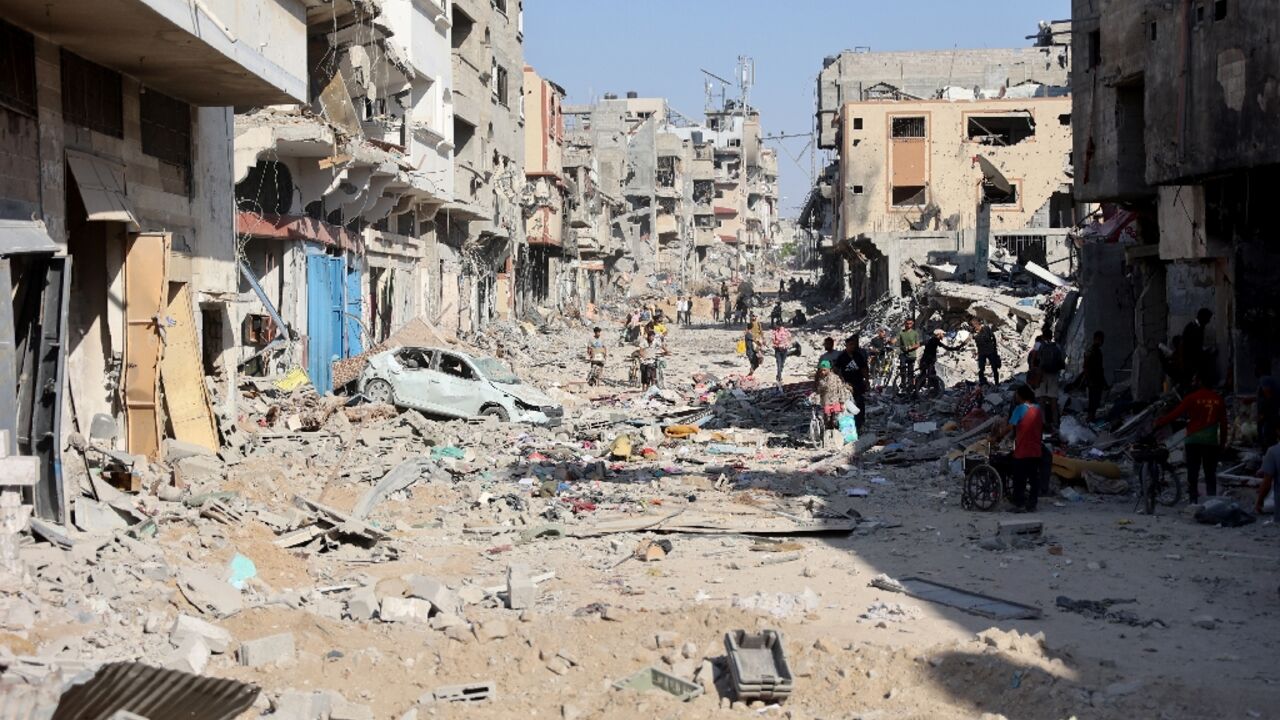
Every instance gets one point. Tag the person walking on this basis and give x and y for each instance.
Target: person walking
(829, 351)
(1270, 473)
(908, 342)
(984, 338)
(597, 353)
(753, 334)
(1206, 415)
(1095, 375)
(1050, 360)
(775, 317)
(1027, 424)
(715, 308)
(832, 393)
(854, 368)
(1193, 354)
(780, 339)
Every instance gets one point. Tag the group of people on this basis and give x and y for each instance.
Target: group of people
(646, 328)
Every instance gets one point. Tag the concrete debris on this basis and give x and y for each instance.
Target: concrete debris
(217, 639)
(269, 650)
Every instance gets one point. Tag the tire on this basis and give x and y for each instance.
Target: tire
(817, 430)
(1150, 480)
(1170, 492)
(496, 411)
(982, 488)
(379, 391)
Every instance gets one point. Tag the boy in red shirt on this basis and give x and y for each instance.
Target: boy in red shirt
(1027, 424)
(1206, 415)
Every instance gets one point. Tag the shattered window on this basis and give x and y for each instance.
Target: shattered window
(908, 127)
(456, 366)
(18, 81)
(908, 195)
(415, 358)
(1000, 129)
(993, 195)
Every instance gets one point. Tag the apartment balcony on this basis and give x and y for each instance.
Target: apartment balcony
(211, 53)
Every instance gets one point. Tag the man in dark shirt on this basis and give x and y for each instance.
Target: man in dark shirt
(929, 356)
(1095, 375)
(852, 366)
(985, 339)
(1193, 359)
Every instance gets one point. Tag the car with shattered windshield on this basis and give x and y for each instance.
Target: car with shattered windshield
(448, 382)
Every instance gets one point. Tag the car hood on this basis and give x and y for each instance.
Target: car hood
(526, 394)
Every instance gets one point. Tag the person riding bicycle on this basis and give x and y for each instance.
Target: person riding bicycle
(908, 341)
(775, 317)
(647, 354)
(929, 357)
(597, 353)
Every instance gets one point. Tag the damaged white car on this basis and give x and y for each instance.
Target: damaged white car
(447, 382)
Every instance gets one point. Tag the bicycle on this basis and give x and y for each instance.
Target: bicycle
(1152, 459)
(817, 423)
(595, 373)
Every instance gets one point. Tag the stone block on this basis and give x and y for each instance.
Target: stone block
(521, 592)
(433, 591)
(217, 639)
(272, 649)
(192, 656)
(298, 705)
(362, 603)
(1019, 528)
(344, 709)
(396, 609)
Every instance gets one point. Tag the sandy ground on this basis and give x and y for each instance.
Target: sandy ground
(1212, 590)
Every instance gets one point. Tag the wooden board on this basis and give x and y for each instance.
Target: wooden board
(182, 371)
(145, 299)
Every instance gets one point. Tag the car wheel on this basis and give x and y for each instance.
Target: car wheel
(379, 391)
(496, 411)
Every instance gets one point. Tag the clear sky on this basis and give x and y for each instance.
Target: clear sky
(656, 47)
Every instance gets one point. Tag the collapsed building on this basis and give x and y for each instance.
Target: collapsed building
(699, 200)
(943, 158)
(337, 199)
(115, 214)
(1176, 136)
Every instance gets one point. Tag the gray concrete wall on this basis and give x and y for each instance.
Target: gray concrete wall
(924, 73)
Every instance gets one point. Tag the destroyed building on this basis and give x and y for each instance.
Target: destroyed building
(480, 230)
(543, 269)
(701, 197)
(908, 129)
(1176, 136)
(337, 200)
(115, 211)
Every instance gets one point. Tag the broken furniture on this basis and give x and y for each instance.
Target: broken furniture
(652, 678)
(757, 665)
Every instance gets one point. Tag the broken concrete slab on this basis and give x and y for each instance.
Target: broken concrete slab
(344, 709)
(219, 640)
(433, 591)
(269, 650)
(298, 705)
(209, 593)
(175, 450)
(192, 656)
(197, 471)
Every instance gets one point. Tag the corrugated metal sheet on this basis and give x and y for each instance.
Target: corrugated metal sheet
(156, 694)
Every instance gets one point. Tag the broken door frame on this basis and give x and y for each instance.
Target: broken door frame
(146, 301)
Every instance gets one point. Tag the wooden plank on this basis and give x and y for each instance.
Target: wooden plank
(145, 300)
(182, 372)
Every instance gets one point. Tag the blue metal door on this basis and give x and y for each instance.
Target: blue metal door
(354, 337)
(324, 316)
